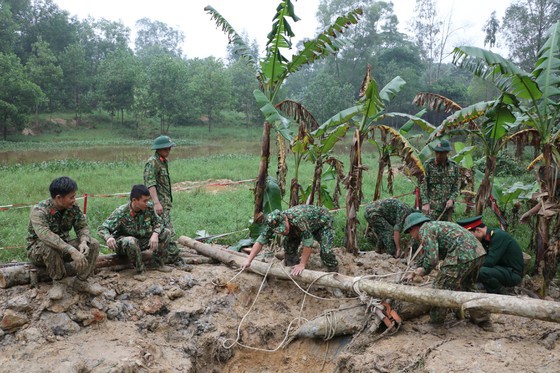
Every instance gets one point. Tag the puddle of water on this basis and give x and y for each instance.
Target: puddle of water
(125, 153)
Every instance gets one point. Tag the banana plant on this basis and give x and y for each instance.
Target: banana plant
(534, 98)
(275, 67)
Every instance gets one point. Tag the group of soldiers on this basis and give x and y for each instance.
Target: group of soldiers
(469, 254)
(144, 223)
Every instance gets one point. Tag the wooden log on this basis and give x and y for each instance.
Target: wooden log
(20, 274)
(495, 303)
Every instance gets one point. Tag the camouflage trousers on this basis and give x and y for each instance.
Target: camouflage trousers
(458, 277)
(45, 256)
(325, 237)
(132, 248)
(384, 232)
(496, 278)
(173, 250)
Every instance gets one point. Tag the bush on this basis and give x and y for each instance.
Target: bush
(506, 165)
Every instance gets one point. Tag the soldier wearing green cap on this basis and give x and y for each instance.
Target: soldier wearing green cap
(386, 217)
(299, 224)
(460, 253)
(156, 178)
(503, 265)
(440, 186)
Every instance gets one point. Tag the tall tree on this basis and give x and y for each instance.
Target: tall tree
(152, 34)
(44, 70)
(525, 24)
(76, 80)
(490, 29)
(18, 95)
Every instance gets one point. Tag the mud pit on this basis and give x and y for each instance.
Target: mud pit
(180, 321)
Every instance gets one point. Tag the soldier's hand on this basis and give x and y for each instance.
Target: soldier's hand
(84, 248)
(246, 265)
(158, 208)
(112, 243)
(426, 209)
(154, 240)
(449, 204)
(80, 261)
(297, 270)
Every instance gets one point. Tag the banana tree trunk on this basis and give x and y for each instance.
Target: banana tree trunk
(294, 192)
(316, 184)
(282, 166)
(382, 163)
(353, 184)
(260, 186)
(486, 185)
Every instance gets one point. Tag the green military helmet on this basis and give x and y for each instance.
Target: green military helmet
(162, 142)
(470, 223)
(442, 146)
(414, 219)
(275, 220)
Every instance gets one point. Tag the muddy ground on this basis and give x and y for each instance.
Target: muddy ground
(187, 321)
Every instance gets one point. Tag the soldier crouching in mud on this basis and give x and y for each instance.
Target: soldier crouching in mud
(461, 254)
(299, 224)
(49, 243)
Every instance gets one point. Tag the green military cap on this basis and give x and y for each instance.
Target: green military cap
(442, 146)
(470, 223)
(276, 221)
(162, 142)
(414, 219)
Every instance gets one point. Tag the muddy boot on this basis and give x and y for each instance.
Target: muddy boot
(84, 286)
(57, 291)
(159, 267)
(180, 264)
(290, 261)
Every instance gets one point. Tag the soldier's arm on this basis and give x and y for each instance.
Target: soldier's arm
(157, 222)
(431, 257)
(109, 227)
(496, 251)
(40, 225)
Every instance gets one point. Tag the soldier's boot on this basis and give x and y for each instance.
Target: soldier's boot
(481, 318)
(56, 292)
(291, 260)
(180, 264)
(85, 286)
(159, 266)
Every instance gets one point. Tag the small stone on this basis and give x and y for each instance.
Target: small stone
(20, 303)
(152, 305)
(13, 320)
(175, 293)
(60, 323)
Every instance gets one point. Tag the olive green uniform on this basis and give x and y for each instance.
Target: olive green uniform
(386, 216)
(503, 265)
(132, 231)
(307, 223)
(48, 238)
(440, 184)
(461, 256)
(156, 174)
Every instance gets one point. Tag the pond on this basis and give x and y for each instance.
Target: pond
(125, 153)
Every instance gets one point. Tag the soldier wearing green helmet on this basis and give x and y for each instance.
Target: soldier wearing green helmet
(158, 182)
(460, 253)
(440, 187)
(299, 224)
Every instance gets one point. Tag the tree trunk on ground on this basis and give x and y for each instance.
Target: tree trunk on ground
(19, 274)
(495, 303)
(263, 173)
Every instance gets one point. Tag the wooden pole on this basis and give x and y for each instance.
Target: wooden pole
(494, 303)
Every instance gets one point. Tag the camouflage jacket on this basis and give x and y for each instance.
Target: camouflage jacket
(449, 242)
(304, 220)
(51, 226)
(440, 184)
(391, 209)
(124, 222)
(156, 173)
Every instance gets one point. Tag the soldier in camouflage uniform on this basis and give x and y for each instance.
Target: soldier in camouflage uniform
(299, 224)
(156, 178)
(460, 253)
(135, 227)
(440, 186)
(49, 243)
(386, 217)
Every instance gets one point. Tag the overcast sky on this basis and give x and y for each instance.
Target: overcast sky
(203, 39)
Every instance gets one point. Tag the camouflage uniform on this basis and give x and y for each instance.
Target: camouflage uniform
(307, 222)
(132, 231)
(48, 239)
(440, 184)
(156, 174)
(503, 266)
(386, 216)
(461, 255)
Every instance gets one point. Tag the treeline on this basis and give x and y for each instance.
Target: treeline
(50, 61)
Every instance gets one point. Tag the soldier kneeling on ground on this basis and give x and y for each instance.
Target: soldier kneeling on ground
(49, 242)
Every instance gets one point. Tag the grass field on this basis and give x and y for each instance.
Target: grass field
(216, 212)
